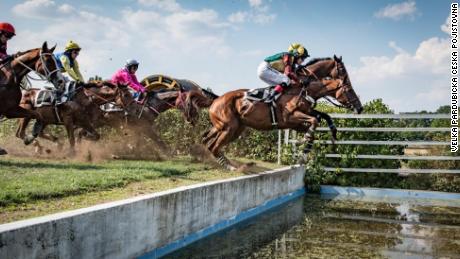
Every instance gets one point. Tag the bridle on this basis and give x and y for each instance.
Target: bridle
(342, 75)
(43, 77)
(93, 95)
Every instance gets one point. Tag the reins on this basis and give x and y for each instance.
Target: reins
(43, 77)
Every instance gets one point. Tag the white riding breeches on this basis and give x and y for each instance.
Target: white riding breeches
(270, 75)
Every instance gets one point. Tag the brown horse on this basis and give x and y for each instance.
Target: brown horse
(80, 111)
(146, 111)
(231, 113)
(40, 60)
(140, 117)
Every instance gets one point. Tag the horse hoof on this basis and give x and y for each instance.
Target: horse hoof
(3, 152)
(28, 140)
(302, 159)
(231, 168)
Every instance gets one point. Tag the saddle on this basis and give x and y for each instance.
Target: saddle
(261, 95)
(49, 96)
(110, 107)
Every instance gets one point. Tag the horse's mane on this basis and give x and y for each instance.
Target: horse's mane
(98, 83)
(209, 94)
(20, 53)
(314, 61)
(90, 84)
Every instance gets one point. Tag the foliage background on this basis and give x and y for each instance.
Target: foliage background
(263, 146)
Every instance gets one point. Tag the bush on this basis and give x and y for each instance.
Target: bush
(262, 145)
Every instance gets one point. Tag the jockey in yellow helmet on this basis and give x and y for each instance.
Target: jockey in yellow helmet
(278, 70)
(67, 61)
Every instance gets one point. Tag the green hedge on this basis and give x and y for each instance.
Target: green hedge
(262, 145)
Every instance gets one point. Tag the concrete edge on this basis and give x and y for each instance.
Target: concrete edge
(185, 241)
(387, 192)
(71, 213)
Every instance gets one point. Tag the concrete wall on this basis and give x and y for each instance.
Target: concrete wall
(133, 227)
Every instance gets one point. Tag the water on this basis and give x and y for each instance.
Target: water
(334, 227)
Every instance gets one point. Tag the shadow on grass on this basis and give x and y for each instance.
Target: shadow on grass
(35, 165)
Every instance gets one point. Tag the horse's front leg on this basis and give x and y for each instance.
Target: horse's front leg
(69, 126)
(20, 112)
(330, 123)
(302, 119)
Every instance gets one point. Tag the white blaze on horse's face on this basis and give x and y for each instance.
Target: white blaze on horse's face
(51, 70)
(60, 80)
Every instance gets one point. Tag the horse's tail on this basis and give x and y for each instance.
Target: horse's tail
(192, 101)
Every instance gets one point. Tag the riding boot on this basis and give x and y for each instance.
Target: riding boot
(59, 94)
(277, 90)
(271, 97)
(36, 130)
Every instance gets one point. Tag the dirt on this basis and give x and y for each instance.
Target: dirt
(126, 146)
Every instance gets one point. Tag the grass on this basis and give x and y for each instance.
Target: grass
(33, 187)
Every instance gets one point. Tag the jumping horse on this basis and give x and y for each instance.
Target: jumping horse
(12, 72)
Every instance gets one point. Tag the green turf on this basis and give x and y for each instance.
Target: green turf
(22, 181)
(29, 180)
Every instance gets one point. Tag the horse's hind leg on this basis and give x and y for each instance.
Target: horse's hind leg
(225, 137)
(36, 130)
(48, 136)
(215, 147)
(22, 126)
(210, 138)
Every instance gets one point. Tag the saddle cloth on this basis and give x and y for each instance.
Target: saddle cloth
(259, 94)
(48, 95)
(110, 107)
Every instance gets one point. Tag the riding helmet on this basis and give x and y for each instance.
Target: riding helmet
(8, 28)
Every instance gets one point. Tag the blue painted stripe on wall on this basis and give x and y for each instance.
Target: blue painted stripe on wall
(396, 193)
(161, 251)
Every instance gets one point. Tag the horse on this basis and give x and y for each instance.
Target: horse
(140, 117)
(12, 72)
(231, 113)
(144, 112)
(80, 111)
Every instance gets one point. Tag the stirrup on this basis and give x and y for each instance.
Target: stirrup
(273, 116)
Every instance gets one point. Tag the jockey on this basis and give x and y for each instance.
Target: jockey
(127, 76)
(7, 32)
(67, 61)
(278, 70)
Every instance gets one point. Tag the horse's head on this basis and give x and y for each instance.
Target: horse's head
(334, 68)
(192, 101)
(41, 61)
(102, 92)
(345, 94)
(123, 96)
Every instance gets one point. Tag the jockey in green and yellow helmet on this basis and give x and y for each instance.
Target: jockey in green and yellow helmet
(278, 70)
